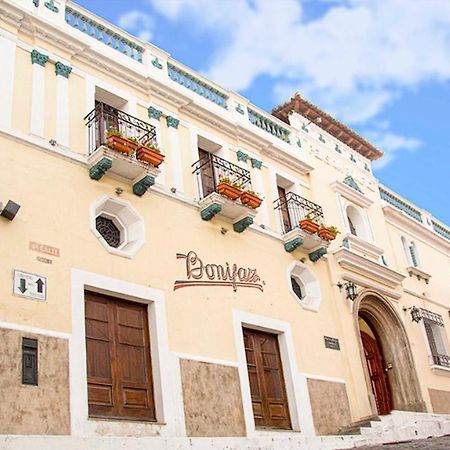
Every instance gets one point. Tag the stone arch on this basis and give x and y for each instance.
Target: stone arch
(383, 319)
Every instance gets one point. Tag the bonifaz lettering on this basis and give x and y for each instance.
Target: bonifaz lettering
(200, 274)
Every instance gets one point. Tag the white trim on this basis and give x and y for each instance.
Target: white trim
(62, 111)
(8, 56)
(351, 194)
(301, 417)
(37, 100)
(34, 330)
(206, 359)
(176, 160)
(162, 364)
(313, 295)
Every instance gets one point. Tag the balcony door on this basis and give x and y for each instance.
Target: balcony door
(285, 216)
(107, 118)
(207, 175)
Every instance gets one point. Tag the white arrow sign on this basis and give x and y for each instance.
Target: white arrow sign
(29, 285)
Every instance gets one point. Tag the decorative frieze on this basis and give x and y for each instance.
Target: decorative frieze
(62, 69)
(38, 58)
(172, 122)
(154, 113)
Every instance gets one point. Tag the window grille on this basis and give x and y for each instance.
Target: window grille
(298, 288)
(108, 230)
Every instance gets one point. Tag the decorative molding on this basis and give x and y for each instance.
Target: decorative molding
(349, 181)
(368, 268)
(418, 273)
(38, 58)
(242, 224)
(36, 3)
(352, 158)
(293, 244)
(317, 254)
(241, 156)
(322, 139)
(268, 124)
(154, 113)
(62, 69)
(353, 242)
(210, 211)
(239, 109)
(51, 6)
(143, 185)
(156, 63)
(299, 143)
(399, 203)
(287, 158)
(99, 169)
(172, 122)
(351, 194)
(337, 148)
(256, 164)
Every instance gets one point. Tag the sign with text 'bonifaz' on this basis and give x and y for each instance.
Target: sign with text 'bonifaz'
(226, 275)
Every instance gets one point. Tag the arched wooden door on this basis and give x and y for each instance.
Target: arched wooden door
(378, 376)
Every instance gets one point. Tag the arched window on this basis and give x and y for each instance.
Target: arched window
(356, 223)
(411, 253)
(304, 286)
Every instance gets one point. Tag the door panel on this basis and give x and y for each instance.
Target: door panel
(118, 359)
(267, 388)
(207, 175)
(285, 217)
(378, 376)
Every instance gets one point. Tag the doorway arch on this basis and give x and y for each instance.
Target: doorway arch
(397, 362)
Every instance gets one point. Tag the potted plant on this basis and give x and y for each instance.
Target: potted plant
(229, 189)
(118, 142)
(150, 153)
(328, 233)
(308, 224)
(251, 199)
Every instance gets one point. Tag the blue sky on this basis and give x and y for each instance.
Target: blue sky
(382, 67)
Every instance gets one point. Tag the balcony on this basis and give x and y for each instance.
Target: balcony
(103, 156)
(211, 171)
(292, 209)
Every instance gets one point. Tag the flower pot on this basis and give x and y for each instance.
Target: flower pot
(309, 226)
(121, 144)
(326, 234)
(250, 200)
(229, 191)
(149, 156)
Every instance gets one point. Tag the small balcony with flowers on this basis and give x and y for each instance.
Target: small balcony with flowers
(303, 226)
(123, 147)
(225, 191)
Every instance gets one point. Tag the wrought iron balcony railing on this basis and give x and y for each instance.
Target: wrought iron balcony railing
(210, 169)
(104, 117)
(441, 360)
(293, 208)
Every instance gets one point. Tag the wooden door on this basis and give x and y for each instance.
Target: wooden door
(107, 118)
(265, 373)
(285, 217)
(377, 373)
(207, 175)
(119, 371)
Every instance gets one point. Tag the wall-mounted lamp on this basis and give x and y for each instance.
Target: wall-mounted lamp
(316, 120)
(52, 142)
(119, 190)
(224, 230)
(173, 190)
(350, 289)
(10, 210)
(416, 313)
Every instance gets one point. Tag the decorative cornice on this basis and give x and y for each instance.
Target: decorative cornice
(401, 219)
(62, 69)
(285, 158)
(362, 246)
(365, 283)
(154, 113)
(172, 122)
(351, 194)
(368, 268)
(38, 58)
(418, 273)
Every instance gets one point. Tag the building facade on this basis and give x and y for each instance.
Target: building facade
(160, 300)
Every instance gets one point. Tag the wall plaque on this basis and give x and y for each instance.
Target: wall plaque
(43, 248)
(226, 275)
(331, 342)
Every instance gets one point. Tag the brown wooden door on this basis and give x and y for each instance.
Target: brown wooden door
(119, 371)
(207, 176)
(377, 373)
(107, 118)
(265, 373)
(285, 217)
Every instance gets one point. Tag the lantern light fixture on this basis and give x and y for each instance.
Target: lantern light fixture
(351, 290)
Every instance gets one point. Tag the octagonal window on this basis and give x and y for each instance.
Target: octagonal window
(118, 226)
(304, 286)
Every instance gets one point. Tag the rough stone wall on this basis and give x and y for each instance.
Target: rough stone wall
(42, 409)
(329, 404)
(440, 401)
(212, 399)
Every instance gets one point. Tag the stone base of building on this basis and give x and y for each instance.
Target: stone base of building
(399, 426)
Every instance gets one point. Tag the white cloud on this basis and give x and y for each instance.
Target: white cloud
(137, 22)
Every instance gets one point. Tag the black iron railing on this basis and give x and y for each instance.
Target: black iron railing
(293, 208)
(211, 169)
(104, 117)
(441, 360)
